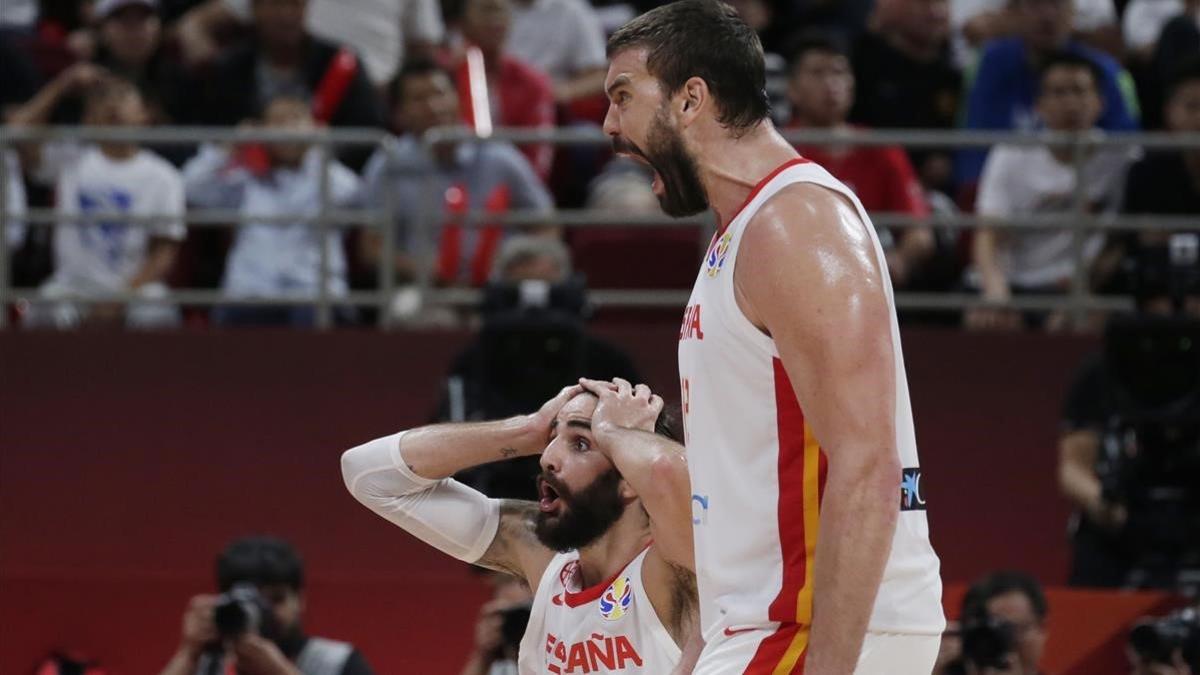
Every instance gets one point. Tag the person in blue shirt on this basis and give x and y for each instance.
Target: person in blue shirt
(1003, 86)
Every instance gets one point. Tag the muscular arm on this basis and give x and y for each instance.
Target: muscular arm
(405, 479)
(817, 288)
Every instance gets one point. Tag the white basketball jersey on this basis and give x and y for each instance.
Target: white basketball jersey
(608, 628)
(758, 473)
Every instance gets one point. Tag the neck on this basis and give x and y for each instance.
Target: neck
(609, 554)
(118, 151)
(731, 167)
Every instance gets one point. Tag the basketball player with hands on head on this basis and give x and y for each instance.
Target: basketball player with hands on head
(606, 550)
(811, 541)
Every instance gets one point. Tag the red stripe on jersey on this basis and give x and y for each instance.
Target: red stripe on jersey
(772, 652)
(758, 188)
(790, 510)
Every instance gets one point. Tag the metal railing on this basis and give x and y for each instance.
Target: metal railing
(1079, 301)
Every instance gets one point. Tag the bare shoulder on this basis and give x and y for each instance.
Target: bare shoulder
(810, 243)
(516, 549)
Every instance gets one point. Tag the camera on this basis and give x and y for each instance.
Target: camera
(513, 622)
(988, 642)
(243, 610)
(1158, 640)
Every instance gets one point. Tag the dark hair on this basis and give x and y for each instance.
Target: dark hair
(974, 605)
(260, 561)
(1070, 60)
(705, 39)
(808, 41)
(1185, 72)
(419, 67)
(667, 425)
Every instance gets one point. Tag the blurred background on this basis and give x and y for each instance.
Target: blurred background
(238, 237)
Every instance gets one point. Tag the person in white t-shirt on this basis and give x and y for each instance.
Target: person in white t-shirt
(270, 260)
(1034, 180)
(98, 250)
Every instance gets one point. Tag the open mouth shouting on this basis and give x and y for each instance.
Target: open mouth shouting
(549, 500)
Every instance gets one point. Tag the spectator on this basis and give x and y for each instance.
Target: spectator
(533, 339)
(976, 22)
(130, 45)
(501, 624)
(272, 259)
(519, 94)
(1179, 40)
(563, 39)
(1027, 180)
(275, 571)
(1164, 183)
(385, 33)
(108, 254)
(283, 59)
(1002, 94)
(821, 88)
(905, 78)
(456, 178)
(1017, 599)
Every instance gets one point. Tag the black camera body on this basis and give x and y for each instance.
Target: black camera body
(243, 610)
(987, 642)
(1158, 640)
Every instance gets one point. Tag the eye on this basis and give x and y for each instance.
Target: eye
(623, 98)
(582, 444)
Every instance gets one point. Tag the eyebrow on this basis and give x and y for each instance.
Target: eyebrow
(621, 81)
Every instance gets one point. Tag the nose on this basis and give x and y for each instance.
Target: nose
(611, 126)
(551, 460)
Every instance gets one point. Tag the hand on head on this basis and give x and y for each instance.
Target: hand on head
(623, 405)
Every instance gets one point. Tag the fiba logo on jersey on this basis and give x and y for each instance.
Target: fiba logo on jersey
(717, 253)
(616, 600)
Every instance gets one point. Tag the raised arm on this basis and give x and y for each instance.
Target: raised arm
(818, 289)
(656, 468)
(405, 478)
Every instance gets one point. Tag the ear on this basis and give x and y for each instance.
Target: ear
(691, 100)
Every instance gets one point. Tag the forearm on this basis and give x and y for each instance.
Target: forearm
(992, 280)
(156, 267)
(478, 664)
(1081, 486)
(857, 523)
(581, 85)
(442, 450)
(651, 463)
(38, 109)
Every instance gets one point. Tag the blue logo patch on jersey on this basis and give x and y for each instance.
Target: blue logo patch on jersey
(911, 498)
(617, 599)
(715, 260)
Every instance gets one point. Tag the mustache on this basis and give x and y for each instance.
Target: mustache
(562, 490)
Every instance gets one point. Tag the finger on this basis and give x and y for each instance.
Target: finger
(624, 388)
(596, 386)
(656, 404)
(642, 392)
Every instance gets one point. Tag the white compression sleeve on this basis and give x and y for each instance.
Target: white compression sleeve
(445, 514)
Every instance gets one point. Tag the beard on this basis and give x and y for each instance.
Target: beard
(583, 516)
(683, 193)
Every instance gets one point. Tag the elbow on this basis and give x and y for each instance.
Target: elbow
(351, 470)
(669, 478)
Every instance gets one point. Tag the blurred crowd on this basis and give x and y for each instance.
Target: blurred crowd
(402, 66)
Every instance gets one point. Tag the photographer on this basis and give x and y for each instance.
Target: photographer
(502, 623)
(1167, 645)
(1129, 455)
(1003, 627)
(255, 624)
